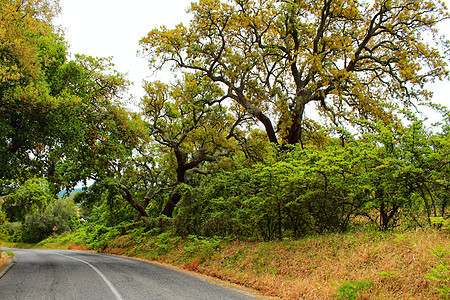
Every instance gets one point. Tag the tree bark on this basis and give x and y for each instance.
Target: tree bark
(295, 131)
(258, 114)
(174, 198)
(146, 202)
(129, 198)
(182, 168)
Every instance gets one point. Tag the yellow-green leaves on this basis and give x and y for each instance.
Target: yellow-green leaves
(186, 114)
(345, 55)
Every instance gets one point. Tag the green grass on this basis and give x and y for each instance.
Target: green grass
(7, 244)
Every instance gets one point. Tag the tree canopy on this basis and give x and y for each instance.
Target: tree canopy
(284, 118)
(30, 53)
(60, 119)
(186, 120)
(351, 60)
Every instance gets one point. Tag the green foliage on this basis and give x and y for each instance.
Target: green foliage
(2, 223)
(195, 143)
(14, 232)
(266, 201)
(164, 242)
(60, 119)
(95, 235)
(67, 238)
(187, 121)
(352, 290)
(95, 133)
(440, 221)
(390, 176)
(440, 273)
(32, 197)
(114, 210)
(88, 200)
(38, 225)
(345, 59)
(385, 174)
(30, 51)
(34, 211)
(201, 246)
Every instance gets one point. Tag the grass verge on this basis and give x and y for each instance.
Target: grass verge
(4, 256)
(363, 265)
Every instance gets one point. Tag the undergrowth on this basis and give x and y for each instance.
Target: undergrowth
(355, 265)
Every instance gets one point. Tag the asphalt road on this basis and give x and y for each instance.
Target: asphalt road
(56, 274)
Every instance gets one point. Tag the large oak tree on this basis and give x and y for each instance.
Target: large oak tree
(30, 50)
(348, 59)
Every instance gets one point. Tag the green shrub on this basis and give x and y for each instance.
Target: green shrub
(39, 225)
(352, 290)
(440, 272)
(3, 232)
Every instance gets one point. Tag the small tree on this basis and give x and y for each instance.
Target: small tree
(188, 121)
(61, 214)
(38, 210)
(32, 197)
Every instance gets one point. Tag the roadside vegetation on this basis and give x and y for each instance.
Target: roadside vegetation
(297, 152)
(4, 255)
(411, 264)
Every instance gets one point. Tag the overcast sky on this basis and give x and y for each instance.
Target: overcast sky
(105, 28)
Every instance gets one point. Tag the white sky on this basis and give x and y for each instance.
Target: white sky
(105, 28)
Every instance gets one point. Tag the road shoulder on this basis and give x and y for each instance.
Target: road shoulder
(5, 264)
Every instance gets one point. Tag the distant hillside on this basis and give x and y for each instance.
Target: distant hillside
(62, 193)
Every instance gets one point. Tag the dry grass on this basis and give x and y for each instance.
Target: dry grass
(3, 258)
(77, 247)
(313, 268)
(310, 268)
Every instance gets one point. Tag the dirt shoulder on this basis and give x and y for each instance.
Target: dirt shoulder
(6, 262)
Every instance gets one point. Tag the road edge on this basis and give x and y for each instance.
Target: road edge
(205, 277)
(6, 266)
(212, 279)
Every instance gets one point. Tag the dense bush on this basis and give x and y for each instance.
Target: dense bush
(31, 197)
(389, 177)
(32, 211)
(2, 223)
(37, 226)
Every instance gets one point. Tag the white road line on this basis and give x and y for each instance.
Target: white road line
(105, 279)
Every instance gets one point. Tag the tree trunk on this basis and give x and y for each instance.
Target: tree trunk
(144, 206)
(269, 128)
(174, 198)
(258, 114)
(146, 202)
(295, 131)
(182, 168)
(129, 198)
